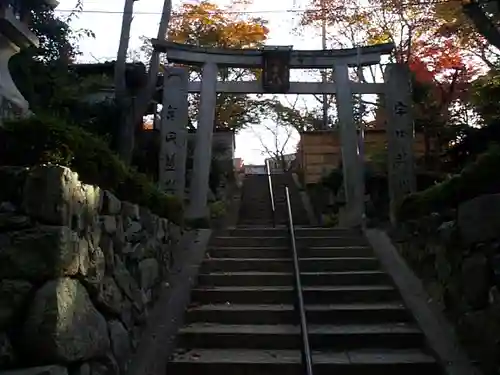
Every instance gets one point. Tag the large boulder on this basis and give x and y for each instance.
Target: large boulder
(109, 224)
(133, 231)
(49, 194)
(92, 262)
(148, 220)
(12, 295)
(107, 245)
(40, 253)
(120, 342)
(104, 366)
(149, 272)
(63, 324)
(130, 210)
(479, 219)
(54, 195)
(127, 284)
(109, 297)
(110, 204)
(143, 250)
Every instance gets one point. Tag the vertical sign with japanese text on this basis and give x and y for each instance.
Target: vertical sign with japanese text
(400, 133)
(276, 71)
(174, 118)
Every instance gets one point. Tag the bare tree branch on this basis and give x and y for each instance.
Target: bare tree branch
(277, 152)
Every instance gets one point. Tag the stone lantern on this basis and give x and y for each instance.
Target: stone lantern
(14, 35)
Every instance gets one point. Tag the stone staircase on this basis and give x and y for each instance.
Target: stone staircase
(255, 207)
(242, 321)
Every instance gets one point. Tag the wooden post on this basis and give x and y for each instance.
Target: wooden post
(174, 119)
(351, 163)
(400, 134)
(202, 157)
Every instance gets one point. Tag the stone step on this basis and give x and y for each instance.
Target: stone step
(255, 210)
(273, 362)
(260, 216)
(286, 264)
(375, 277)
(284, 241)
(299, 232)
(281, 214)
(260, 195)
(264, 201)
(261, 221)
(256, 204)
(345, 337)
(284, 252)
(263, 192)
(267, 219)
(286, 295)
(286, 314)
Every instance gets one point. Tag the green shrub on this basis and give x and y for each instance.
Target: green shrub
(39, 140)
(330, 220)
(217, 209)
(333, 180)
(480, 177)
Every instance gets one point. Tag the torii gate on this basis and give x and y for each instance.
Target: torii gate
(276, 63)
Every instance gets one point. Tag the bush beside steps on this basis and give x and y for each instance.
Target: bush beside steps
(478, 178)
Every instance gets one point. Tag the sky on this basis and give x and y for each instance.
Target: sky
(104, 19)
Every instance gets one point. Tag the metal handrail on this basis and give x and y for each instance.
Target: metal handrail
(271, 192)
(299, 303)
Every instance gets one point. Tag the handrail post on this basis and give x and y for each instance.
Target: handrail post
(271, 192)
(305, 349)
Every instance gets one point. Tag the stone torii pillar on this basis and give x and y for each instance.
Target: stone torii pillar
(400, 134)
(202, 157)
(174, 119)
(351, 163)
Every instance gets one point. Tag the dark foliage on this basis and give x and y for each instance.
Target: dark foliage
(41, 140)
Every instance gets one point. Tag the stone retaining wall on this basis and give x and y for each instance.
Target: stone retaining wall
(79, 271)
(457, 256)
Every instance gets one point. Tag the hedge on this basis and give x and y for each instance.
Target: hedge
(40, 140)
(480, 177)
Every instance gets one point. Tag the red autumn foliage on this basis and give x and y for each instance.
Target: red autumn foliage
(439, 62)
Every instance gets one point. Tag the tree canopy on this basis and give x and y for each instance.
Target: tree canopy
(447, 52)
(485, 16)
(41, 73)
(207, 25)
(438, 41)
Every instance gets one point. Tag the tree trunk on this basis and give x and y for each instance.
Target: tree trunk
(142, 100)
(482, 23)
(121, 95)
(427, 147)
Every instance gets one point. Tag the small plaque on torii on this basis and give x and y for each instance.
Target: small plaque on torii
(276, 69)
